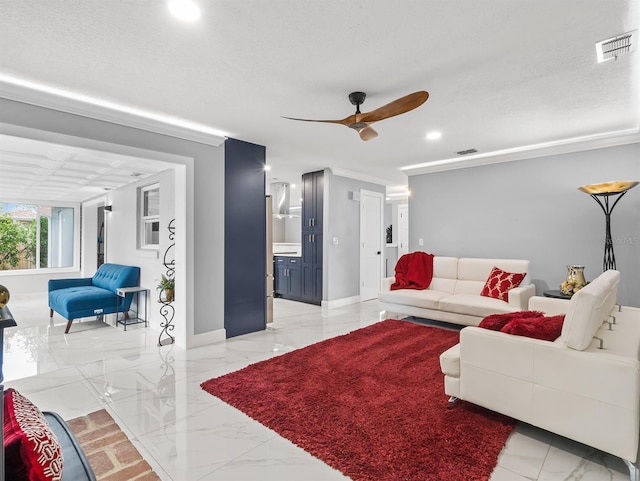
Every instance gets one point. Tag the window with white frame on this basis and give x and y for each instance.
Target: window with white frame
(37, 236)
(149, 202)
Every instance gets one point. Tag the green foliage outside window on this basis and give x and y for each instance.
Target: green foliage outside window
(44, 242)
(17, 242)
(25, 241)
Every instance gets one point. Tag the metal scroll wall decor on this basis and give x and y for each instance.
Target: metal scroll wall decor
(167, 310)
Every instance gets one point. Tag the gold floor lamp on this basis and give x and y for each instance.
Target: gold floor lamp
(602, 193)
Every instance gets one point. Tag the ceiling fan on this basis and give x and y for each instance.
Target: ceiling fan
(361, 122)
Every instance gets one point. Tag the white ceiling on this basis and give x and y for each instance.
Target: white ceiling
(502, 74)
(36, 170)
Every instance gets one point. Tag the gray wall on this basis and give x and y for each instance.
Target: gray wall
(531, 209)
(341, 273)
(287, 230)
(208, 194)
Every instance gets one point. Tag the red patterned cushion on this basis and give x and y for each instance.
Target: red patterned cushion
(32, 451)
(496, 322)
(500, 283)
(544, 328)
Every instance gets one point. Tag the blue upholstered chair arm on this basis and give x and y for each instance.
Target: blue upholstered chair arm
(55, 284)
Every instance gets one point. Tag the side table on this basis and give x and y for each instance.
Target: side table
(122, 292)
(556, 294)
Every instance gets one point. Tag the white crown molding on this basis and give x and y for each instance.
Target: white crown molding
(609, 139)
(358, 176)
(43, 96)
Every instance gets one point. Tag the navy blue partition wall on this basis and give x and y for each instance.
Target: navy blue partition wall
(245, 224)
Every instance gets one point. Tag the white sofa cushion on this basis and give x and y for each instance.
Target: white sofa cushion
(450, 361)
(584, 315)
(469, 287)
(474, 305)
(473, 273)
(426, 298)
(443, 285)
(612, 277)
(445, 267)
(479, 269)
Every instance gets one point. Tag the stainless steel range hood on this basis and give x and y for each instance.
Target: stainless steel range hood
(280, 199)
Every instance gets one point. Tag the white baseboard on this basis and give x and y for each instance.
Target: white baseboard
(206, 338)
(345, 301)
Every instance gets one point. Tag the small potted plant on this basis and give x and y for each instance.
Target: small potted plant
(167, 285)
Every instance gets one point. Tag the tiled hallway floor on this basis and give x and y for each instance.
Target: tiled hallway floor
(185, 434)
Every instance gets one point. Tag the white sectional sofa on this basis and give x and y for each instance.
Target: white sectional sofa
(454, 292)
(585, 385)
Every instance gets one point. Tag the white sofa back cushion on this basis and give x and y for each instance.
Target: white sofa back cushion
(473, 273)
(445, 267)
(445, 273)
(584, 315)
(612, 277)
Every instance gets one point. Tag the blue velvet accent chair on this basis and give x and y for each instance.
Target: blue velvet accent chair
(91, 296)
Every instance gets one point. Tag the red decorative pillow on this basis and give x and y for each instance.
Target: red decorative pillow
(496, 322)
(32, 451)
(543, 328)
(500, 283)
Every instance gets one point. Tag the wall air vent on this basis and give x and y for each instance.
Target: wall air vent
(612, 48)
(466, 152)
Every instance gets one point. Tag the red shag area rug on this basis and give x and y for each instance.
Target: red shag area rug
(371, 404)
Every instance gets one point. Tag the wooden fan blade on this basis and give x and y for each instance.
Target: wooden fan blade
(346, 121)
(397, 107)
(367, 133)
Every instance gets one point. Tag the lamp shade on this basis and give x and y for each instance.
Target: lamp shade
(603, 188)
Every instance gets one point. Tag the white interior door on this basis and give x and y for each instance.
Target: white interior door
(403, 229)
(371, 243)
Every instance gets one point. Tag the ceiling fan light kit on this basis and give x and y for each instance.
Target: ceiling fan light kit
(361, 122)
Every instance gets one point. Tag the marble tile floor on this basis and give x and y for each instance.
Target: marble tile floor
(185, 434)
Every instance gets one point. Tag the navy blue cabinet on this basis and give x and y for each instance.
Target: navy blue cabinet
(245, 233)
(288, 283)
(312, 199)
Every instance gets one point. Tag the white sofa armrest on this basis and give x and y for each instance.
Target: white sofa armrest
(549, 305)
(519, 296)
(589, 396)
(386, 283)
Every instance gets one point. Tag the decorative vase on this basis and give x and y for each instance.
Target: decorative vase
(169, 293)
(4, 296)
(574, 282)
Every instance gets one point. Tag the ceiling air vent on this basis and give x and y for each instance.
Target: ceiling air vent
(612, 48)
(466, 152)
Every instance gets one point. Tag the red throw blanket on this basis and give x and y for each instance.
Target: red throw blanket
(413, 271)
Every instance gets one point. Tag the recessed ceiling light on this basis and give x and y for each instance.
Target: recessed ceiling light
(267, 168)
(434, 135)
(185, 10)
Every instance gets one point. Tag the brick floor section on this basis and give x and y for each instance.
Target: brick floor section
(111, 455)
